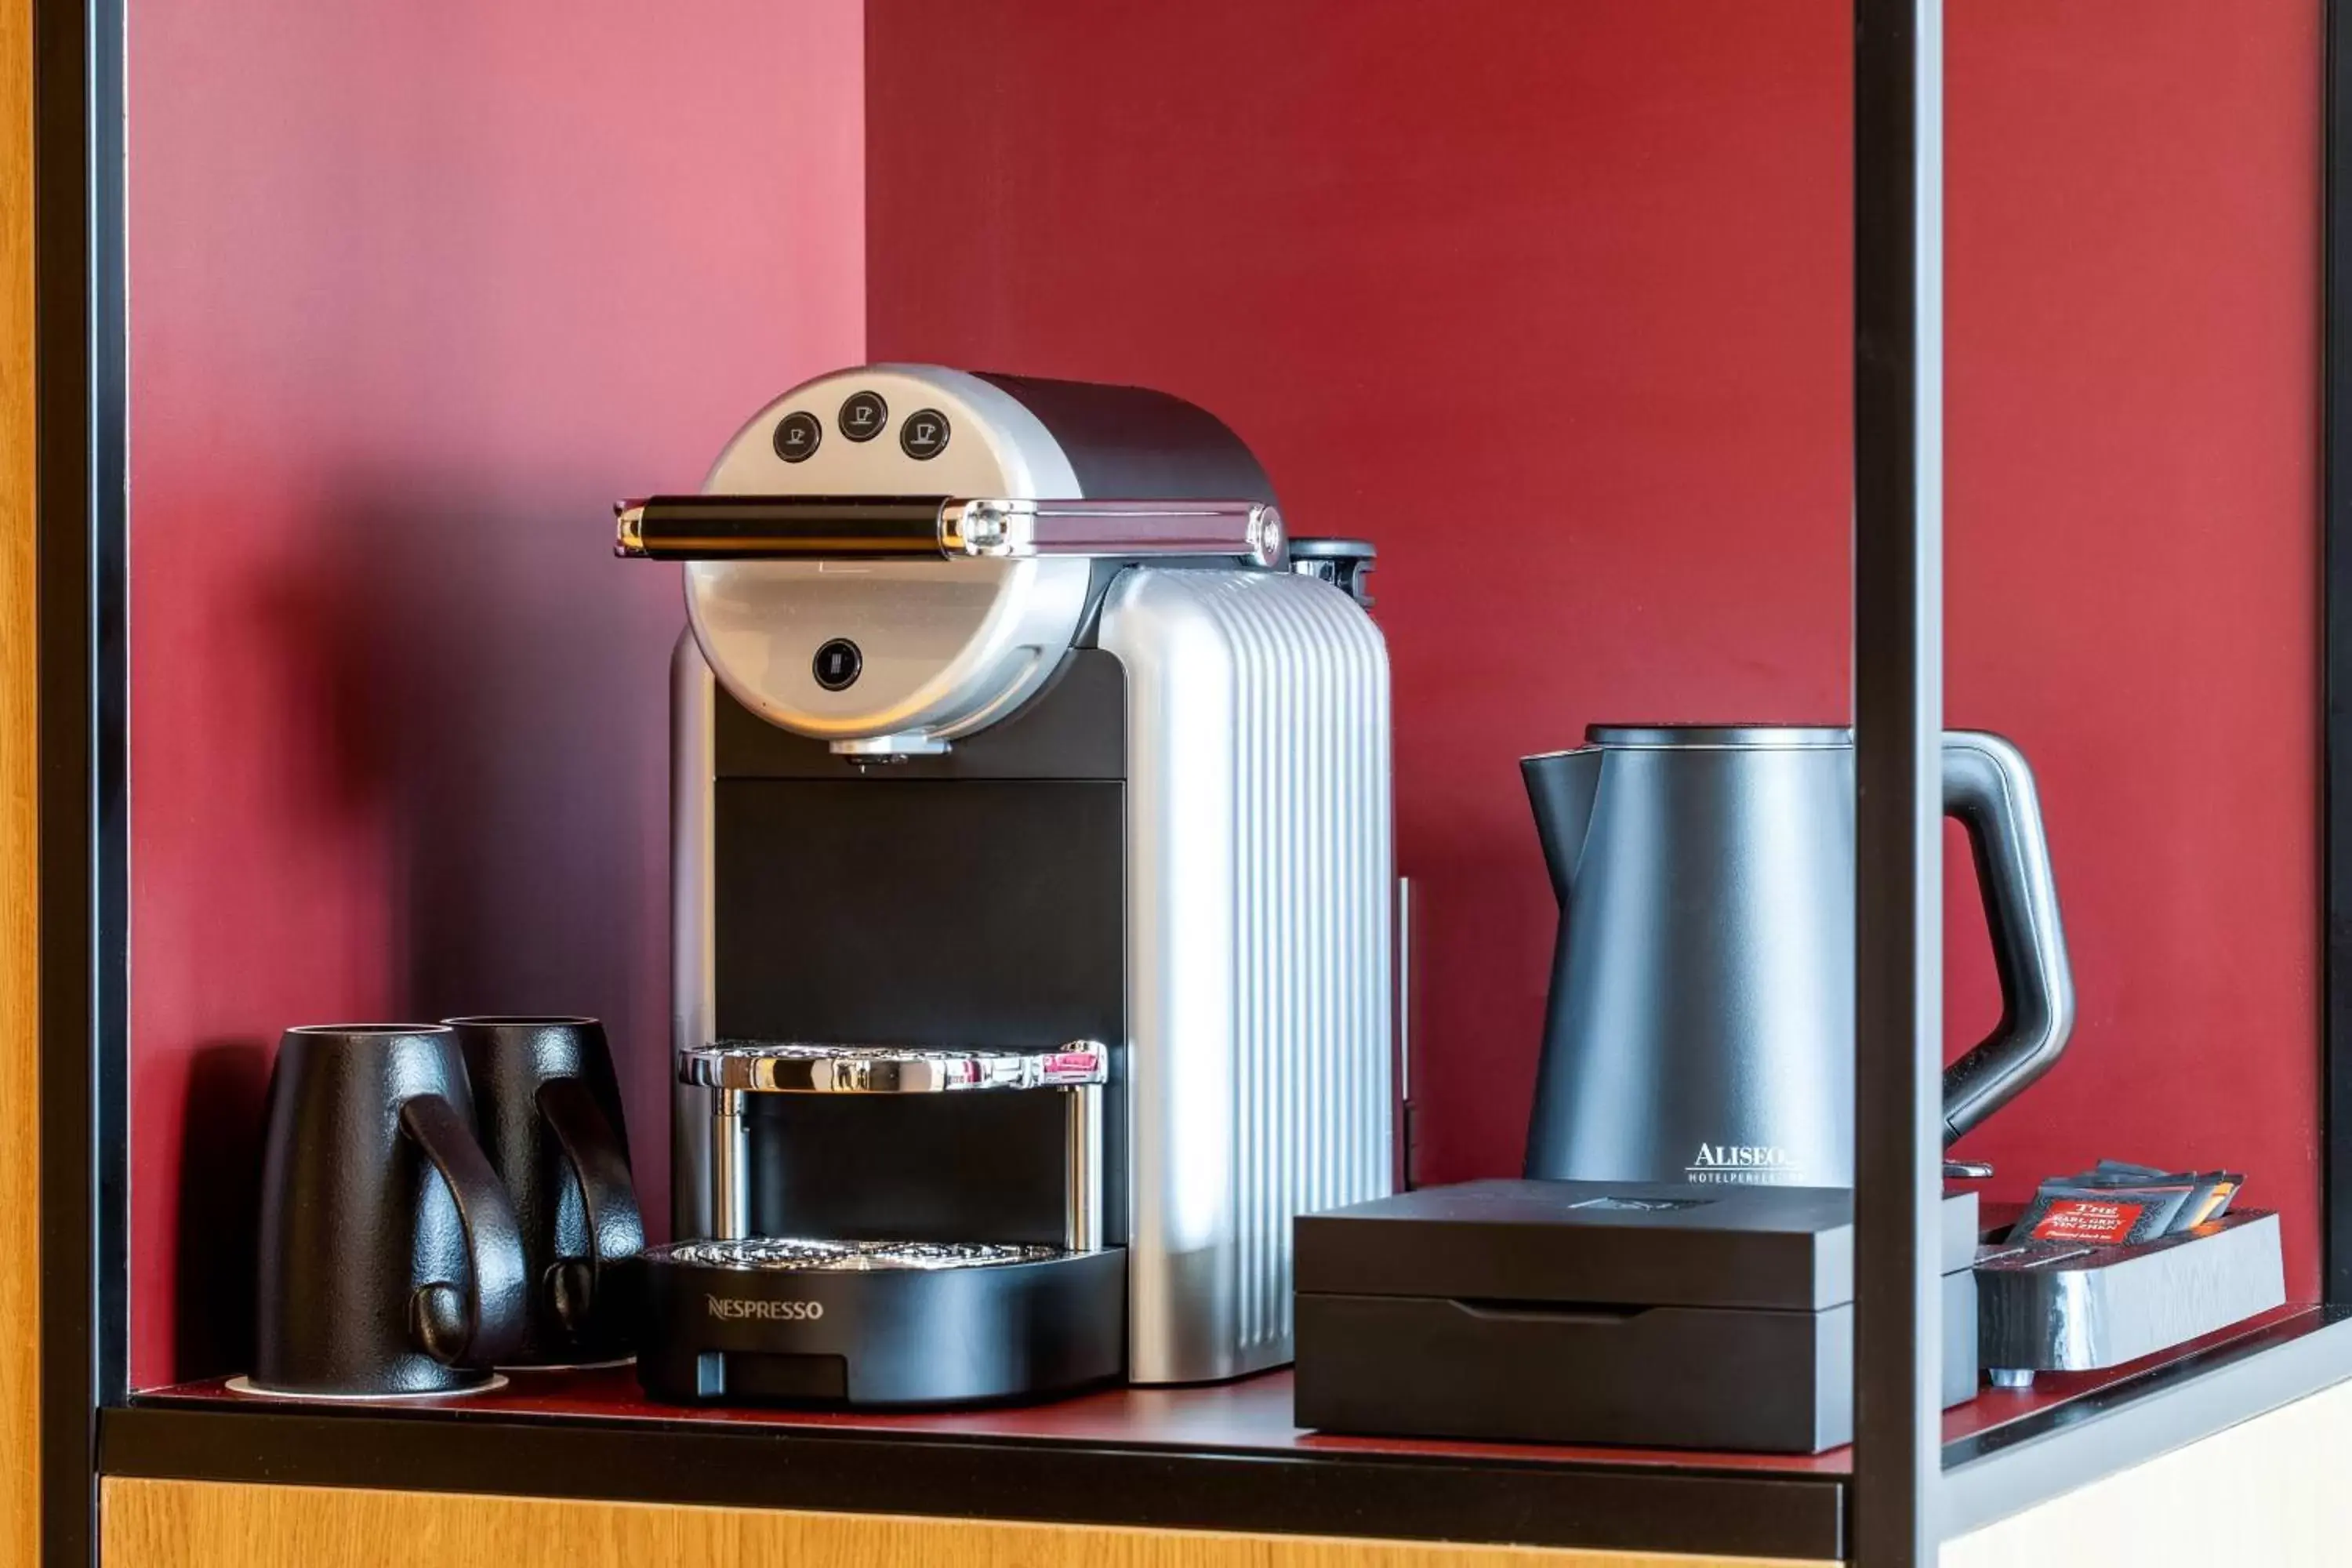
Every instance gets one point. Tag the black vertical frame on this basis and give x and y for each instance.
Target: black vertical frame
(1898, 732)
(79, 605)
(2335, 518)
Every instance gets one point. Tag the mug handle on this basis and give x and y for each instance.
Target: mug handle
(617, 1231)
(484, 1323)
(1988, 788)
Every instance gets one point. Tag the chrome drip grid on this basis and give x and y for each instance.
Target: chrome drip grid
(796, 1254)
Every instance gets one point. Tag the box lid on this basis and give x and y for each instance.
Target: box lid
(1613, 1243)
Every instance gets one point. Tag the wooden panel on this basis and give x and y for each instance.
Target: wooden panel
(202, 1524)
(2267, 1494)
(19, 1232)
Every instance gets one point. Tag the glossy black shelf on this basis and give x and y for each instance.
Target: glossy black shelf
(1218, 1458)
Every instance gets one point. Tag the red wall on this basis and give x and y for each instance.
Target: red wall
(417, 291)
(1547, 296)
(1551, 299)
(2133, 555)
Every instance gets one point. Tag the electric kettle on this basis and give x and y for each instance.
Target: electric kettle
(1700, 1025)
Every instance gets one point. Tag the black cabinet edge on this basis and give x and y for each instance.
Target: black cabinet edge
(2011, 1468)
(81, 653)
(2336, 653)
(1374, 1497)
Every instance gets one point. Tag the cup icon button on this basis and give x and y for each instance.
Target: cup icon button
(862, 415)
(797, 435)
(924, 435)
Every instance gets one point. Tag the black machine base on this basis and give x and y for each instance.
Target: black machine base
(878, 1324)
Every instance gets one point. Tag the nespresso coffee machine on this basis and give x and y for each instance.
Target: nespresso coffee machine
(1033, 896)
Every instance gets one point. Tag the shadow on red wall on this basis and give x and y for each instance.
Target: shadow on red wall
(412, 305)
(1550, 299)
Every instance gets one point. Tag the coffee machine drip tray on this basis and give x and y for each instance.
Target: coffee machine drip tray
(877, 1324)
(883, 1321)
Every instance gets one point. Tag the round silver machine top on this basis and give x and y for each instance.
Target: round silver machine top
(944, 646)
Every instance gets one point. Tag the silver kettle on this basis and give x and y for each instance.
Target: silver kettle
(1701, 1018)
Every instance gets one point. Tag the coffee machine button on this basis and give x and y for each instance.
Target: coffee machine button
(797, 435)
(924, 436)
(862, 415)
(837, 664)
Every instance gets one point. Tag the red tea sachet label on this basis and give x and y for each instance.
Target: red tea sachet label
(2085, 1219)
(1074, 1067)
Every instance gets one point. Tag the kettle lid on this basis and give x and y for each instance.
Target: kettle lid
(1718, 737)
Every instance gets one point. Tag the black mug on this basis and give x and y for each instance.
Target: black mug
(550, 1122)
(390, 1261)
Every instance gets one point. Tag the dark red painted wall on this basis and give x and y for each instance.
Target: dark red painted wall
(1550, 298)
(2134, 560)
(417, 291)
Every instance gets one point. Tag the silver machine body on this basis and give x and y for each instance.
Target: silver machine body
(1701, 1020)
(1252, 1081)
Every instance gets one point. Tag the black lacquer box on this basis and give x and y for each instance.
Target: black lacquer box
(1635, 1314)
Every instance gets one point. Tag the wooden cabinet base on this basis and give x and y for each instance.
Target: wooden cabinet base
(204, 1524)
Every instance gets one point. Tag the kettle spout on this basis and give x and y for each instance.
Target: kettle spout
(1561, 788)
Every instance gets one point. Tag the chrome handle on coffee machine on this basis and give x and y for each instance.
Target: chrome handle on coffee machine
(1989, 789)
(930, 528)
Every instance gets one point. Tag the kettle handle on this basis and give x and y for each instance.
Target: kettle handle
(1989, 789)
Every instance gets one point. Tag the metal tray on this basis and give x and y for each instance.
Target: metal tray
(2045, 1307)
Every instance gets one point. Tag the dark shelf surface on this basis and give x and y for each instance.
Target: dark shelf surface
(1249, 1416)
(1252, 1416)
(1219, 1456)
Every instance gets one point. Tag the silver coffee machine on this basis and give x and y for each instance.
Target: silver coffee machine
(1033, 896)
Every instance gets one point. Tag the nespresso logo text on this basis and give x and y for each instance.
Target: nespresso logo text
(733, 1307)
(1759, 1163)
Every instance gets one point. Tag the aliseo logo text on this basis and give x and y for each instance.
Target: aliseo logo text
(1750, 1163)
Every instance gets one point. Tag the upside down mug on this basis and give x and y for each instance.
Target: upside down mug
(390, 1262)
(549, 1110)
